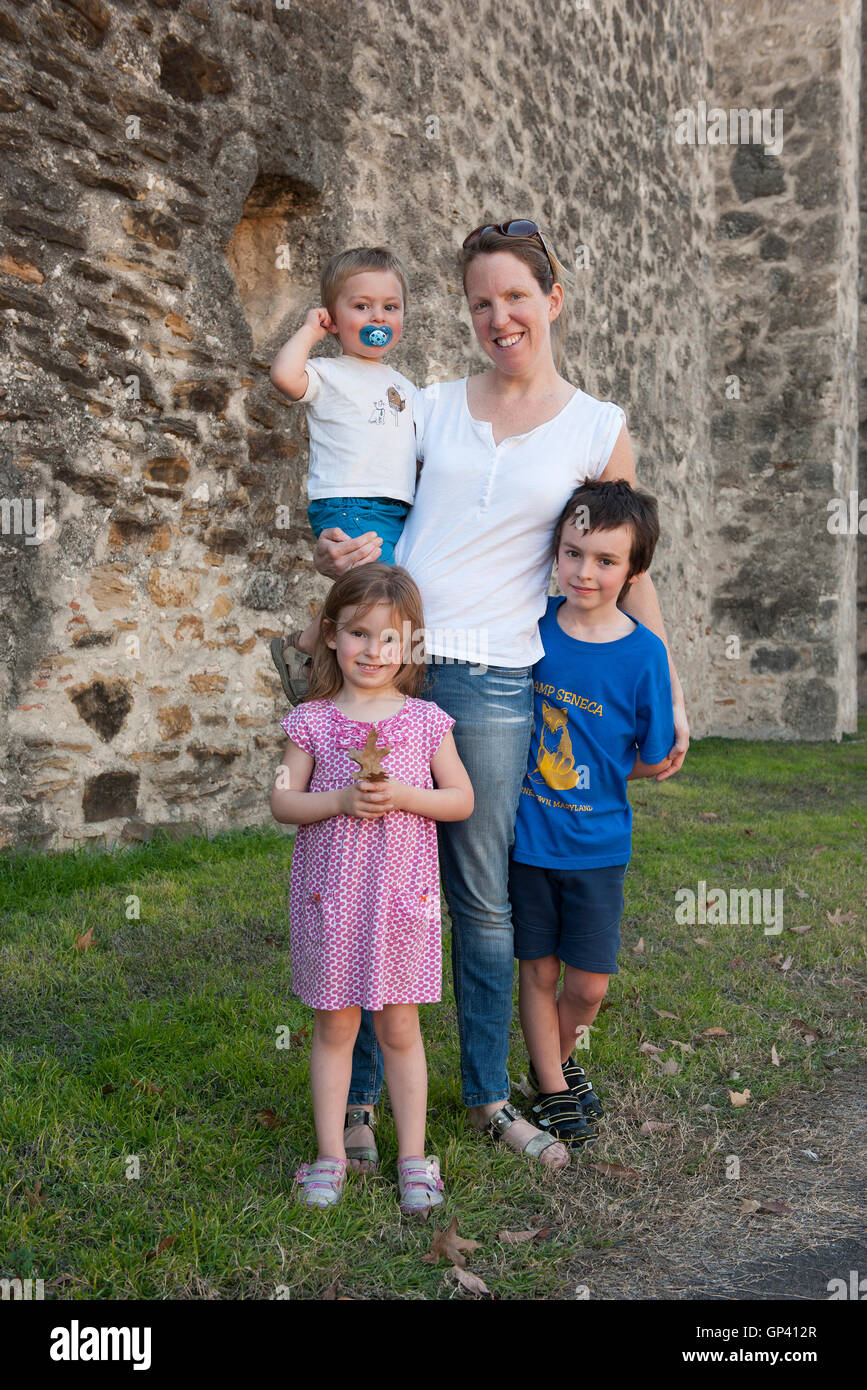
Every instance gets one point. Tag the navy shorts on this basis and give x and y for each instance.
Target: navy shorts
(571, 913)
(355, 515)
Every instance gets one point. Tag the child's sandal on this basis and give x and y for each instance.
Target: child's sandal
(358, 1155)
(322, 1182)
(558, 1113)
(419, 1184)
(293, 668)
(582, 1089)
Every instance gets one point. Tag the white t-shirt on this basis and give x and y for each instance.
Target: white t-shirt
(479, 540)
(360, 420)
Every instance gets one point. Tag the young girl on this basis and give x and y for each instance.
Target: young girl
(364, 897)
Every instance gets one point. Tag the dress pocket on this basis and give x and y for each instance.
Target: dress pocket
(413, 928)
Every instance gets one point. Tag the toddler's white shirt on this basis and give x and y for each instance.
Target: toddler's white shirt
(479, 539)
(360, 420)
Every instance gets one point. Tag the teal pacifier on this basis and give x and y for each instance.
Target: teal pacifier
(374, 335)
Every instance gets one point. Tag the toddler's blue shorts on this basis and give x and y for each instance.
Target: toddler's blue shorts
(355, 515)
(571, 913)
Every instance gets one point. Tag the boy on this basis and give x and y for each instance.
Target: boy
(362, 471)
(601, 688)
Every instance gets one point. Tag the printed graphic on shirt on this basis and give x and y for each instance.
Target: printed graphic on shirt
(393, 401)
(555, 761)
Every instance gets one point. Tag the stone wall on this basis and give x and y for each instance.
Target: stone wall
(174, 174)
(783, 387)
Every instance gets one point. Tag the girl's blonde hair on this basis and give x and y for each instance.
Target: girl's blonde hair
(547, 273)
(362, 589)
(353, 262)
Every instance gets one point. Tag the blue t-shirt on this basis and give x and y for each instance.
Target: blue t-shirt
(592, 703)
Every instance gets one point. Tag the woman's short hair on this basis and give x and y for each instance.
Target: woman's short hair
(545, 272)
(354, 262)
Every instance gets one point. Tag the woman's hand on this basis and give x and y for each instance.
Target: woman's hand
(335, 552)
(681, 733)
(366, 800)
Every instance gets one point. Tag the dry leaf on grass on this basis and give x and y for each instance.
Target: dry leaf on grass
(523, 1085)
(669, 1068)
(808, 1033)
(36, 1198)
(716, 1033)
(638, 948)
(684, 1047)
(84, 942)
(268, 1119)
(750, 1207)
(471, 1282)
(739, 1098)
(615, 1170)
(837, 920)
(701, 941)
(799, 931)
(775, 1056)
(108, 1089)
(787, 964)
(663, 1013)
(655, 1126)
(651, 1048)
(708, 815)
(162, 1245)
(150, 1087)
(800, 892)
(449, 1245)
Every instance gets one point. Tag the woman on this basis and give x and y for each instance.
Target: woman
(501, 451)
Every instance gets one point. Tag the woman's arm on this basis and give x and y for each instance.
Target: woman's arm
(642, 603)
(335, 552)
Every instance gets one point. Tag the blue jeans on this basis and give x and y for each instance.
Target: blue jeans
(493, 712)
(355, 515)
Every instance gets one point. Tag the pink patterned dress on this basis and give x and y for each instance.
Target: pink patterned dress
(364, 901)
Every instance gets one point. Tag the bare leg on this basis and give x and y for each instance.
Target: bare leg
(540, 1020)
(399, 1036)
(578, 1005)
(334, 1033)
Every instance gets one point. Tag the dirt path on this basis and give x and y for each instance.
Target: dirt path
(699, 1245)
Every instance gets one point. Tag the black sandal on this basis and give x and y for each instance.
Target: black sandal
(579, 1087)
(558, 1113)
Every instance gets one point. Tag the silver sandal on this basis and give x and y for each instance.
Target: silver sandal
(360, 1153)
(504, 1118)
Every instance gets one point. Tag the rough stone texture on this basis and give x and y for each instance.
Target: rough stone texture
(783, 390)
(862, 394)
(174, 175)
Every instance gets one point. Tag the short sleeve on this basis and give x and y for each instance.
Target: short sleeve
(610, 423)
(297, 727)
(422, 403)
(437, 726)
(314, 383)
(654, 717)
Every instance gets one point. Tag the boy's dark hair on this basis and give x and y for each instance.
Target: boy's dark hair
(609, 505)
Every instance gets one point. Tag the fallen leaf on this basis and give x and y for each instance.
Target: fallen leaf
(638, 948)
(808, 1153)
(606, 1004)
(517, 1237)
(801, 894)
(669, 1068)
(36, 1198)
(818, 849)
(809, 1034)
(272, 940)
(751, 833)
(149, 1086)
(749, 1206)
(738, 963)
(701, 941)
(799, 931)
(775, 1056)
(299, 1037)
(329, 1294)
(268, 1119)
(108, 1088)
(739, 1098)
(654, 1126)
(715, 1033)
(684, 1047)
(776, 958)
(614, 1170)
(787, 964)
(161, 1246)
(663, 1013)
(708, 815)
(650, 1048)
(775, 1208)
(84, 943)
(471, 1282)
(523, 1085)
(836, 920)
(449, 1245)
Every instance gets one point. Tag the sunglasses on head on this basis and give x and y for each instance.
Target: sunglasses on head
(517, 227)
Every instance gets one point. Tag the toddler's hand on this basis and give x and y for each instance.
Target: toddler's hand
(320, 323)
(366, 800)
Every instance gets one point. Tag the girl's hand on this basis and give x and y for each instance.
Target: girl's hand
(319, 322)
(365, 800)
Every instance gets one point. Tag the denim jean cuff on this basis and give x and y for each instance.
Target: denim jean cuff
(362, 1098)
(470, 1101)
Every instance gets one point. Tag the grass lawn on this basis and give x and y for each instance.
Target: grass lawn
(154, 1051)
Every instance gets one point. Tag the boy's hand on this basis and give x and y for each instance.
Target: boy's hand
(319, 323)
(681, 735)
(335, 552)
(365, 800)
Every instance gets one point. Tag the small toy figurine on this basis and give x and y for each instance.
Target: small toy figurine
(373, 335)
(369, 759)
